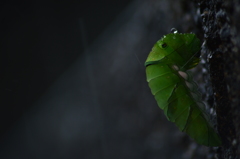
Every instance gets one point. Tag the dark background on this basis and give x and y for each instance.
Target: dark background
(39, 41)
(73, 80)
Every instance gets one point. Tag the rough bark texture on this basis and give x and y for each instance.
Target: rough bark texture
(222, 56)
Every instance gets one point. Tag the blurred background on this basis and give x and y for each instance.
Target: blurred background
(73, 80)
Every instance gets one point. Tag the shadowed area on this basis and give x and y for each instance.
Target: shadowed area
(74, 83)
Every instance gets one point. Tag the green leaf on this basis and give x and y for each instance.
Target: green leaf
(174, 89)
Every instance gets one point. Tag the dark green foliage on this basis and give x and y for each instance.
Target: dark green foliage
(174, 89)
